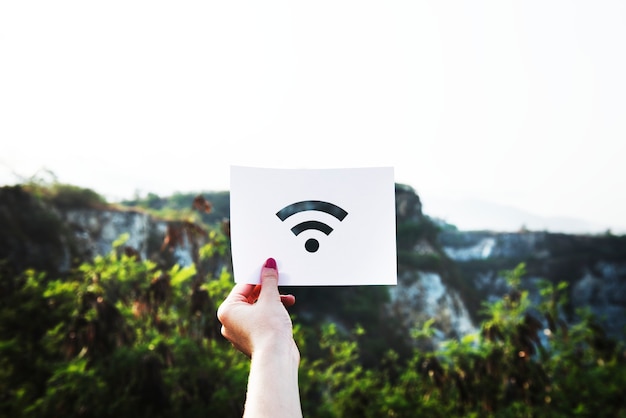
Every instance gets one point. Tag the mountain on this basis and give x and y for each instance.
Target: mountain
(443, 275)
(475, 214)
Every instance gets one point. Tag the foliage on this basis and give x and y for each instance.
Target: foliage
(422, 262)
(31, 235)
(513, 368)
(410, 232)
(443, 225)
(118, 337)
(123, 337)
(178, 206)
(64, 196)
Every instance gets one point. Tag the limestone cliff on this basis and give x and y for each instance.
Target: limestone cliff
(593, 266)
(95, 231)
(441, 275)
(423, 289)
(35, 234)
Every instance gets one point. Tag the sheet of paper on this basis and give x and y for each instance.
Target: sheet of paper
(324, 227)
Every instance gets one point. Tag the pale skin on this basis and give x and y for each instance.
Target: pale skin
(255, 320)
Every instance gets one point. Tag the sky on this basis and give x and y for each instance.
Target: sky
(517, 104)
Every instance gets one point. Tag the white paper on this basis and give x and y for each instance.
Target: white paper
(360, 249)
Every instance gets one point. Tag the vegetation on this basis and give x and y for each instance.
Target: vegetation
(61, 195)
(121, 337)
(179, 206)
(31, 235)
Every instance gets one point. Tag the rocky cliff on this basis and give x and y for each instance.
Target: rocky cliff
(593, 266)
(441, 275)
(424, 290)
(95, 230)
(39, 235)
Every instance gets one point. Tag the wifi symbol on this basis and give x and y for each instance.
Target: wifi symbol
(311, 245)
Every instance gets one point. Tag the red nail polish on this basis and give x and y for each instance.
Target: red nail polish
(270, 263)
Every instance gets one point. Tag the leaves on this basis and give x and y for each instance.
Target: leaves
(124, 337)
(181, 275)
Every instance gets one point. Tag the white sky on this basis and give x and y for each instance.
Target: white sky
(519, 103)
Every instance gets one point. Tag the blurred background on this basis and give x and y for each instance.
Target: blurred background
(498, 114)
(504, 122)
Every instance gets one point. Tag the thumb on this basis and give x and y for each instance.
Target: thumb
(269, 281)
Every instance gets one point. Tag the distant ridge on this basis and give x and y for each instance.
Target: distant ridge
(475, 214)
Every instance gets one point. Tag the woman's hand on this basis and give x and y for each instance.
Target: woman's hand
(255, 321)
(254, 316)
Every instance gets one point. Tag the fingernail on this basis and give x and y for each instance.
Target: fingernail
(270, 263)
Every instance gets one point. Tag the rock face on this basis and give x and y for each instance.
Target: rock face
(422, 293)
(467, 246)
(40, 236)
(408, 205)
(593, 266)
(420, 296)
(95, 230)
(441, 275)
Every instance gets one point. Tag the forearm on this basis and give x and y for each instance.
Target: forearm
(273, 383)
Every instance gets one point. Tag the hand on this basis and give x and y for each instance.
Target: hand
(255, 321)
(254, 316)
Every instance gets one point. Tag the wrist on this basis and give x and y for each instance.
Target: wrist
(273, 382)
(276, 348)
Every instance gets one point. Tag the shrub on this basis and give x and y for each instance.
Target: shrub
(121, 337)
(66, 196)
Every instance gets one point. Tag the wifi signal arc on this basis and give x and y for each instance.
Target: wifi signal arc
(306, 225)
(311, 245)
(319, 205)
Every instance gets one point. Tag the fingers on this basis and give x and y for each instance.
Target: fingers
(288, 300)
(269, 281)
(248, 307)
(254, 295)
(268, 289)
(240, 293)
(269, 285)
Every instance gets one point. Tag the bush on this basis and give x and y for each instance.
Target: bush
(66, 196)
(121, 337)
(521, 364)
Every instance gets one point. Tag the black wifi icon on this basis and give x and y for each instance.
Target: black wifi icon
(311, 245)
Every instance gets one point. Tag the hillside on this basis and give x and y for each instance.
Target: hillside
(110, 308)
(441, 274)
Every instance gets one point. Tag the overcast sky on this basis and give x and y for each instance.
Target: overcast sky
(518, 103)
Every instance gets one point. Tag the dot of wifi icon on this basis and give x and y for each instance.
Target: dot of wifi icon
(312, 245)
